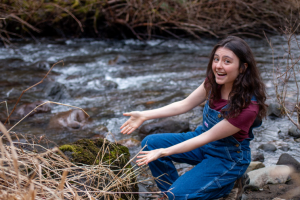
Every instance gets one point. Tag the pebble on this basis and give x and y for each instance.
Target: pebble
(294, 132)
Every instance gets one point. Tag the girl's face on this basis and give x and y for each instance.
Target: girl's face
(225, 66)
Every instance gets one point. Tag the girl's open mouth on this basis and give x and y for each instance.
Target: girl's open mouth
(221, 74)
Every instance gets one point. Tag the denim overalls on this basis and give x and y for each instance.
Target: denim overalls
(217, 164)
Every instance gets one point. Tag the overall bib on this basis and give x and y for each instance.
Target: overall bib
(217, 164)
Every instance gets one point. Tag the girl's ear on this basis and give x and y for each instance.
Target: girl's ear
(243, 70)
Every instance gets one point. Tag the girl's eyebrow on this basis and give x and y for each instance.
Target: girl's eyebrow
(228, 57)
(224, 56)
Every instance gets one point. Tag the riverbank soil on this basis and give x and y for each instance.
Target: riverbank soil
(274, 191)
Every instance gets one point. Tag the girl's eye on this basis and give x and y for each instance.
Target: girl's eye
(216, 59)
(227, 61)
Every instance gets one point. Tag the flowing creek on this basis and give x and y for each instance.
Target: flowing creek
(107, 78)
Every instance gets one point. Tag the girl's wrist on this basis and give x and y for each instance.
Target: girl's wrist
(164, 152)
(144, 115)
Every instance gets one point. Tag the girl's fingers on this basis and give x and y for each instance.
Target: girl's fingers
(126, 114)
(125, 124)
(131, 130)
(126, 129)
(144, 152)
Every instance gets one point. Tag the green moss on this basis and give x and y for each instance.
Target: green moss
(67, 147)
(85, 151)
(90, 152)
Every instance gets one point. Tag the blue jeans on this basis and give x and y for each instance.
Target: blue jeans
(217, 164)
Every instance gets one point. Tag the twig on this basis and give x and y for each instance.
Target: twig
(6, 109)
(29, 89)
(42, 105)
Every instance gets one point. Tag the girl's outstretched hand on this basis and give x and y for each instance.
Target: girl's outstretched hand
(148, 156)
(136, 119)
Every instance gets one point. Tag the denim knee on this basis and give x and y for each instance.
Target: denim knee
(146, 141)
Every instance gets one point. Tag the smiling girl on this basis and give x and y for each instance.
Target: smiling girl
(219, 148)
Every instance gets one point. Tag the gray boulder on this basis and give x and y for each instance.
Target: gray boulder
(287, 159)
(267, 147)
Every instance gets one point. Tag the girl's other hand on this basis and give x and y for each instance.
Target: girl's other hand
(136, 119)
(146, 157)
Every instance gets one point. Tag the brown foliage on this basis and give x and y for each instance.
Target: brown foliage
(144, 18)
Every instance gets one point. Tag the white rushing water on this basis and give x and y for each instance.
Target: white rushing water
(161, 71)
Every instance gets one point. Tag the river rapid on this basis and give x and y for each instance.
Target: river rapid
(108, 78)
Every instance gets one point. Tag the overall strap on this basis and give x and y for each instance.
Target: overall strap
(253, 98)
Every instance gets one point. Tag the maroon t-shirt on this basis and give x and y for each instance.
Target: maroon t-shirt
(243, 121)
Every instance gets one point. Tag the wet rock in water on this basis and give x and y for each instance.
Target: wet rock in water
(118, 60)
(269, 175)
(56, 91)
(129, 142)
(267, 147)
(255, 165)
(24, 109)
(297, 140)
(42, 65)
(274, 109)
(109, 84)
(101, 130)
(257, 156)
(287, 159)
(294, 131)
(284, 148)
(72, 119)
(165, 126)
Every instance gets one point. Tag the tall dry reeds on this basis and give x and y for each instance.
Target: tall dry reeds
(144, 19)
(30, 175)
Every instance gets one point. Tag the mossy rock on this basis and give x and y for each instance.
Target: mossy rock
(93, 152)
(89, 152)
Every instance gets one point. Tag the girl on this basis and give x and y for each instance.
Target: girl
(219, 148)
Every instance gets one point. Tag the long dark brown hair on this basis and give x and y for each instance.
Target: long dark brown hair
(247, 84)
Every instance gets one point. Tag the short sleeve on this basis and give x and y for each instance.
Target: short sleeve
(246, 118)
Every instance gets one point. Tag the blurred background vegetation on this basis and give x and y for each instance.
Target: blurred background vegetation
(144, 19)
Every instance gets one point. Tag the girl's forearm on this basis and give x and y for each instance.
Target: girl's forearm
(166, 111)
(221, 130)
(195, 98)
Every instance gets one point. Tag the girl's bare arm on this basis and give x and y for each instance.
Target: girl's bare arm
(220, 130)
(137, 118)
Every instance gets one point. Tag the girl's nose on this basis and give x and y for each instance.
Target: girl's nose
(219, 64)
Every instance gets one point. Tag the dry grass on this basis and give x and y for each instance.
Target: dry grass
(146, 18)
(26, 174)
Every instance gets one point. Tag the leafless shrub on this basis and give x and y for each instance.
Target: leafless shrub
(146, 18)
(286, 71)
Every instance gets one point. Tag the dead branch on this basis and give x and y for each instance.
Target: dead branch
(29, 89)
